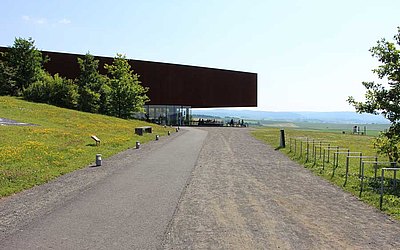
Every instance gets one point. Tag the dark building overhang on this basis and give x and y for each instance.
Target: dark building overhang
(173, 84)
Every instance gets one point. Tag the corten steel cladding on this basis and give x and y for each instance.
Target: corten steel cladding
(172, 84)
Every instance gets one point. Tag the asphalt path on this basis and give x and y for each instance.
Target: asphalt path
(209, 188)
(130, 209)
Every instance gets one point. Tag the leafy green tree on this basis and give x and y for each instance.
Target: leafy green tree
(127, 96)
(385, 99)
(27, 63)
(104, 106)
(7, 75)
(89, 84)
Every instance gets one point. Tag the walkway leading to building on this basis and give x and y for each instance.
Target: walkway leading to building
(199, 189)
(127, 209)
(246, 195)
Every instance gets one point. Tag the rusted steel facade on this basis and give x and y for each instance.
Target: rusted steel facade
(173, 84)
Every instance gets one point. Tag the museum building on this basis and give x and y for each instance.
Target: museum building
(173, 89)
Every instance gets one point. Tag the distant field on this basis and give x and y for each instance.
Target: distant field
(356, 143)
(372, 129)
(60, 143)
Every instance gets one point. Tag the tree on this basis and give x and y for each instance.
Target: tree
(89, 84)
(104, 107)
(27, 64)
(385, 99)
(127, 95)
(7, 75)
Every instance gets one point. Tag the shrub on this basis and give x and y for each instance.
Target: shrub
(55, 90)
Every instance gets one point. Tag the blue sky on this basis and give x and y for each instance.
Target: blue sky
(309, 55)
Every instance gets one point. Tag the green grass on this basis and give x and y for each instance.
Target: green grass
(60, 143)
(372, 129)
(355, 143)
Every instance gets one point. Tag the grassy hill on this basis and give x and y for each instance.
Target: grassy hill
(60, 143)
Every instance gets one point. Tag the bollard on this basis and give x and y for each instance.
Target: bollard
(177, 129)
(98, 160)
(137, 144)
(157, 137)
(282, 139)
(169, 133)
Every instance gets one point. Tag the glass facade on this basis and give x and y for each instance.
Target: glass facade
(168, 114)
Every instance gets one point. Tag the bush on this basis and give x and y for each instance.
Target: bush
(55, 90)
(40, 90)
(387, 143)
(65, 93)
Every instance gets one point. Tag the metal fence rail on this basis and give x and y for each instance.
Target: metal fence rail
(375, 164)
(322, 150)
(395, 169)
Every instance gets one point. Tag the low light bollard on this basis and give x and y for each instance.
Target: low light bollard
(157, 137)
(169, 133)
(98, 160)
(177, 129)
(137, 144)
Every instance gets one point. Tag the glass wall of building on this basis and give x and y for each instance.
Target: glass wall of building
(168, 114)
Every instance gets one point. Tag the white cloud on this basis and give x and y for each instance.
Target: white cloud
(43, 21)
(34, 20)
(64, 21)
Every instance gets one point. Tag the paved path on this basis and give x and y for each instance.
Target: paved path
(239, 194)
(129, 209)
(245, 195)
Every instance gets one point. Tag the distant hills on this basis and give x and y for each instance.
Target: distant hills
(320, 117)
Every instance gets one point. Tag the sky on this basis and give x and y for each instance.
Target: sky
(310, 55)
